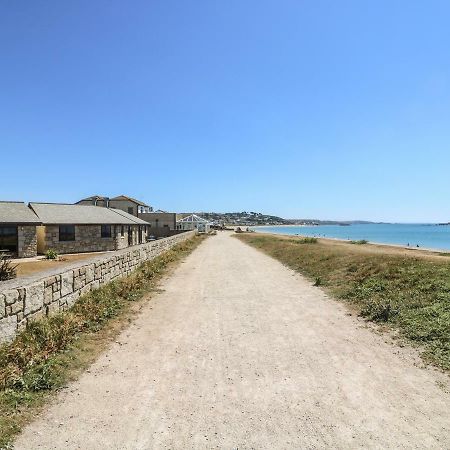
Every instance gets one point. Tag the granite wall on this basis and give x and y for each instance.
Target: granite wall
(25, 299)
(26, 241)
(88, 238)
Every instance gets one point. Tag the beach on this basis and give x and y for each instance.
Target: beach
(422, 236)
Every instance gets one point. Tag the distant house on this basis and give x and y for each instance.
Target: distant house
(127, 204)
(95, 200)
(18, 229)
(82, 228)
(194, 222)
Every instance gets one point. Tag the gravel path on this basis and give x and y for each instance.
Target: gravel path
(238, 352)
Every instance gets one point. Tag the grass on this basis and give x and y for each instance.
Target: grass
(54, 350)
(306, 240)
(409, 293)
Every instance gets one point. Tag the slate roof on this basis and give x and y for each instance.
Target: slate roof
(93, 197)
(66, 214)
(129, 216)
(131, 199)
(17, 213)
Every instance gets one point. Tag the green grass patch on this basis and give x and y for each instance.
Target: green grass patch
(306, 240)
(360, 242)
(410, 293)
(54, 350)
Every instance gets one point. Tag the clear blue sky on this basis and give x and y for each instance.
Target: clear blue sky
(300, 108)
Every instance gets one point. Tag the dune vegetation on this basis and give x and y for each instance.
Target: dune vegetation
(408, 291)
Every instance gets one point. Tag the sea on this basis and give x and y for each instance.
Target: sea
(429, 236)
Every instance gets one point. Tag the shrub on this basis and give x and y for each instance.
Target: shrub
(306, 240)
(379, 310)
(7, 270)
(318, 281)
(360, 242)
(51, 254)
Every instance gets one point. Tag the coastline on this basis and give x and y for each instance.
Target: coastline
(348, 241)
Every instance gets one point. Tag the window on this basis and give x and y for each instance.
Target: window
(67, 232)
(130, 210)
(122, 230)
(8, 238)
(106, 231)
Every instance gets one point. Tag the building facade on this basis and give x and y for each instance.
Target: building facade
(128, 204)
(18, 230)
(161, 223)
(82, 228)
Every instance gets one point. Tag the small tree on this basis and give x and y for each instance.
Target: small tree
(7, 269)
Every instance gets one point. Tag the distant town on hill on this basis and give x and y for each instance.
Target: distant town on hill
(251, 218)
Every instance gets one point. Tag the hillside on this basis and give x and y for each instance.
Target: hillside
(243, 218)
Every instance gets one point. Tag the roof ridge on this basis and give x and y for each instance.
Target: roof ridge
(64, 204)
(11, 201)
(135, 200)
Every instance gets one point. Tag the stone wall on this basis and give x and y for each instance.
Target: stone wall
(88, 239)
(25, 299)
(26, 241)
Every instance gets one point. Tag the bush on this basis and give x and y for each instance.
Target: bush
(306, 240)
(7, 270)
(360, 242)
(51, 254)
(379, 310)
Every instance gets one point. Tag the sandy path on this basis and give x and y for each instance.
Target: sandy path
(239, 352)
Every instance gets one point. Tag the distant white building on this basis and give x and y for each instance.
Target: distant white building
(194, 222)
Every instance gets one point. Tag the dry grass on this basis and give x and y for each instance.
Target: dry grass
(31, 267)
(52, 351)
(407, 291)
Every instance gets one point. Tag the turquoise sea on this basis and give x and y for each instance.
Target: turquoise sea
(422, 235)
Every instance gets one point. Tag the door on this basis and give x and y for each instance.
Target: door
(130, 236)
(8, 238)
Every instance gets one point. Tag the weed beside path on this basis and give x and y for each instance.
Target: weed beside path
(54, 350)
(409, 293)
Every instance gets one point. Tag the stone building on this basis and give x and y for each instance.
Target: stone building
(122, 202)
(129, 205)
(161, 223)
(81, 228)
(18, 229)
